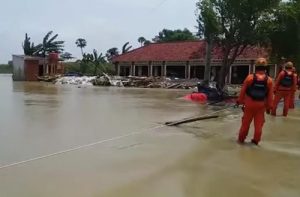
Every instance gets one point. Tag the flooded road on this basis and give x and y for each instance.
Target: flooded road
(130, 153)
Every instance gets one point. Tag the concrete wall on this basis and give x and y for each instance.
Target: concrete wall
(18, 68)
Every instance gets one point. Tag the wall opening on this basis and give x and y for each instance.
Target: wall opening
(239, 74)
(197, 72)
(176, 72)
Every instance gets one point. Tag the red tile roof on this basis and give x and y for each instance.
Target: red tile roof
(181, 51)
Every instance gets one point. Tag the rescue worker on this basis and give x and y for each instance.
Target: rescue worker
(256, 96)
(292, 98)
(284, 86)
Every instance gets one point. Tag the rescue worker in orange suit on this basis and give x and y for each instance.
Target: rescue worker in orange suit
(292, 98)
(256, 96)
(285, 85)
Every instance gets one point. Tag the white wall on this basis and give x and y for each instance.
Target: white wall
(18, 68)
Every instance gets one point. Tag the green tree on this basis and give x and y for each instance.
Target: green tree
(49, 44)
(97, 60)
(142, 40)
(66, 56)
(126, 48)
(147, 42)
(111, 53)
(208, 29)
(28, 46)
(85, 63)
(285, 37)
(167, 35)
(81, 43)
(240, 26)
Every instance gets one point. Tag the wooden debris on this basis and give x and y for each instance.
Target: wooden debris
(188, 120)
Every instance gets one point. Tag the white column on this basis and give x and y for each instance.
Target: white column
(118, 69)
(189, 71)
(133, 70)
(230, 73)
(150, 70)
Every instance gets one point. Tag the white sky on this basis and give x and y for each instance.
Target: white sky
(103, 23)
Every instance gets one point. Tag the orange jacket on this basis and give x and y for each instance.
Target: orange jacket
(281, 75)
(245, 99)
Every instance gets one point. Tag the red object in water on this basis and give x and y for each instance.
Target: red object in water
(53, 58)
(197, 97)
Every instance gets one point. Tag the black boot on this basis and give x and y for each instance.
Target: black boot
(254, 142)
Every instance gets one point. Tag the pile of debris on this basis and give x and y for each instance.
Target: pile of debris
(146, 82)
(73, 80)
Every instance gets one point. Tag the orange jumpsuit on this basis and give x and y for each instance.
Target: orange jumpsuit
(283, 92)
(254, 109)
(292, 98)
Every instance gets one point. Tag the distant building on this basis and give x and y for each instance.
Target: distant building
(186, 60)
(29, 68)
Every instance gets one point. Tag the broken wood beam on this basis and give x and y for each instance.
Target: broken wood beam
(188, 120)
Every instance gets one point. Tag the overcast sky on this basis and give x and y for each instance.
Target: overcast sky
(103, 23)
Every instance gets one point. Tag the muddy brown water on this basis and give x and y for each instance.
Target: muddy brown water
(196, 159)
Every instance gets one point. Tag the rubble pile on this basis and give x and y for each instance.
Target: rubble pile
(85, 81)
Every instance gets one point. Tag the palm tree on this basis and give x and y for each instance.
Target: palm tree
(49, 45)
(142, 40)
(97, 60)
(81, 43)
(126, 48)
(28, 46)
(112, 53)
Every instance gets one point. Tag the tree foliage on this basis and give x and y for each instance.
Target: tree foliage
(98, 60)
(81, 43)
(49, 44)
(28, 46)
(141, 40)
(66, 56)
(239, 25)
(111, 53)
(126, 48)
(167, 35)
(285, 34)
(208, 29)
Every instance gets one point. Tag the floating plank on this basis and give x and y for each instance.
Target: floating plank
(188, 120)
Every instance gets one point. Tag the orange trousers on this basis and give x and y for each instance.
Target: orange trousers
(286, 95)
(256, 112)
(292, 100)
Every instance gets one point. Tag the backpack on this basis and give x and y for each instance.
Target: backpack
(258, 90)
(287, 80)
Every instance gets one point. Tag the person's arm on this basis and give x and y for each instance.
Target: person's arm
(241, 99)
(295, 82)
(269, 100)
(277, 82)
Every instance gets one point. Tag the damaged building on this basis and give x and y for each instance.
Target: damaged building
(186, 60)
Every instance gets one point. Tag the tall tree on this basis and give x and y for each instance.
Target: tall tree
(28, 46)
(126, 48)
(285, 37)
(141, 40)
(167, 35)
(81, 43)
(98, 60)
(208, 29)
(240, 26)
(49, 44)
(111, 53)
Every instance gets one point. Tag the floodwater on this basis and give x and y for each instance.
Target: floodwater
(129, 152)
